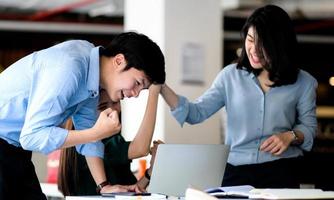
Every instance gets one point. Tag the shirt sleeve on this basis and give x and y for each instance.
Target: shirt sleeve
(306, 120)
(204, 106)
(55, 81)
(85, 118)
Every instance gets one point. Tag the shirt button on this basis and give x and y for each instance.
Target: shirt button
(93, 94)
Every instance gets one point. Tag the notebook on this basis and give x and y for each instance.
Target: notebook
(178, 166)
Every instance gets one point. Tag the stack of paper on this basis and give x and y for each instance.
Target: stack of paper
(290, 194)
(150, 197)
(138, 197)
(253, 193)
(232, 191)
(193, 194)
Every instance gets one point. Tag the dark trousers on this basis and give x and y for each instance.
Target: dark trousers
(282, 173)
(18, 179)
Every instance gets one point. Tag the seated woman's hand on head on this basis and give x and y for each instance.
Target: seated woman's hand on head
(155, 88)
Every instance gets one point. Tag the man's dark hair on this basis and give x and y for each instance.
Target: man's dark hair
(140, 52)
(275, 40)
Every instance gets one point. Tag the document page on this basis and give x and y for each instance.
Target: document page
(291, 194)
(240, 190)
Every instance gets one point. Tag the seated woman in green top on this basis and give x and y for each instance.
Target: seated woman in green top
(74, 177)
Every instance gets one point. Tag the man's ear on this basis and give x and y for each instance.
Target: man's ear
(119, 61)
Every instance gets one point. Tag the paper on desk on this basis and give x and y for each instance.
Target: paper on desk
(290, 194)
(150, 197)
(194, 194)
(240, 190)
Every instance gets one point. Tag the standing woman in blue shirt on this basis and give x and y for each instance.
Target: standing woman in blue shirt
(270, 104)
(42, 90)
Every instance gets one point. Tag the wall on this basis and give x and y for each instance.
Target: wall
(173, 24)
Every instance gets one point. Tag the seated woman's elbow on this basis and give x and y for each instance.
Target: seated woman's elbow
(143, 152)
(140, 152)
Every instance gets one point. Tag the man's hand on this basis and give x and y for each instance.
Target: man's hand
(114, 188)
(121, 188)
(108, 124)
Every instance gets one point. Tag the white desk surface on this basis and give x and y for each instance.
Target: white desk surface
(152, 197)
(51, 190)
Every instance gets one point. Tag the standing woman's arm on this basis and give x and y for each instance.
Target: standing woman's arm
(170, 96)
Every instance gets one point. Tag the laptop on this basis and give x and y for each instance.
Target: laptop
(178, 166)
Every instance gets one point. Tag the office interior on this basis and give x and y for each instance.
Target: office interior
(206, 31)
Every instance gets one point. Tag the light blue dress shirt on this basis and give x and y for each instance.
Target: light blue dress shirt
(42, 90)
(252, 115)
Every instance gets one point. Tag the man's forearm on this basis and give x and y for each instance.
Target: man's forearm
(76, 137)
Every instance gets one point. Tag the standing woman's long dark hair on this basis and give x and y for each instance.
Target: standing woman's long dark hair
(68, 174)
(275, 41)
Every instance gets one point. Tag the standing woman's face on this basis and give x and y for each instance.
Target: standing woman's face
(255, 58)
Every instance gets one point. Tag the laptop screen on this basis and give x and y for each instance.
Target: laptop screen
(178, 166)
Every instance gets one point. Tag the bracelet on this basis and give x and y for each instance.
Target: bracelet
(295, 140)
(295, 137)
(101, 185)
(147, 175)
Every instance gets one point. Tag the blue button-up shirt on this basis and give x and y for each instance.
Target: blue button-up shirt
(252, 115)
(40, 91)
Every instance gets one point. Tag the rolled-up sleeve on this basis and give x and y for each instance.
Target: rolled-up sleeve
(307, 121)
(85, 118)
(52, 89)
(204, 106)
(180, 113)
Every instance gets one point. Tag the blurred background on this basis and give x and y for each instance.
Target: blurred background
(207, 31)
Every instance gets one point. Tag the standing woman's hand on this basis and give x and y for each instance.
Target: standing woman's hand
(170, 96)
(277, 143)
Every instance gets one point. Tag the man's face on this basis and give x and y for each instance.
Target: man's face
(127, 83)
(120, 83)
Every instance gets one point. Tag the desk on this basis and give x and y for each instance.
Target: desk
(111, 198)
(158, 197)
(51, 190)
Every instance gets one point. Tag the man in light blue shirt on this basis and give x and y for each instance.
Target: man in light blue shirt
(42, 90)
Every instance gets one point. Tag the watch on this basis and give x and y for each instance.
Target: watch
(101, 185)
(295, 137)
